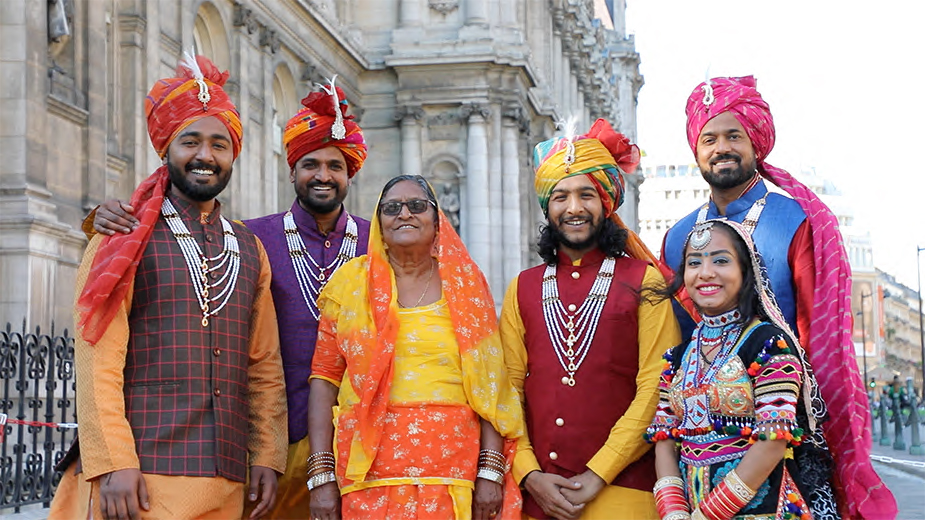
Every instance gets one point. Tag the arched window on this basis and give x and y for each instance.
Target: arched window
(284, 106)
(209, 36)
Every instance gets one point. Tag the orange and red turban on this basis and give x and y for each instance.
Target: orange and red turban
(319, 124)
(830, 346)
(175, 103)
(172, 105)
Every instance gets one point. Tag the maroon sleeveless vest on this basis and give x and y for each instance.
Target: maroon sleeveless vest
(568, 425)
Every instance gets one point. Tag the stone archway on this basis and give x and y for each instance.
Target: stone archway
(210, 37)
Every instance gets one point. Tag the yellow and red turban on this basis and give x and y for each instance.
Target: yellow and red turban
(604, 155)
(172, 105)
(829, 345)
(175, 103)
(317, 125)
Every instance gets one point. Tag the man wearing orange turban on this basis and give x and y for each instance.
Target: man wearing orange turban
(325, 149)
(592, 348)
(306, 244)
(180, 396)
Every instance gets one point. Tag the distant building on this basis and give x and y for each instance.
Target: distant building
(668, 193)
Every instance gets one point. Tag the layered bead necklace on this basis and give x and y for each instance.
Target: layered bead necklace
(313, 279)
(200, 266)
(572, 330)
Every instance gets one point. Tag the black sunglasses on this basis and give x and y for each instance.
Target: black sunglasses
(415, 206)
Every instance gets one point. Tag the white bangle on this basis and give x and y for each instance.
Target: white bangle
(491, 474)
(321, 479)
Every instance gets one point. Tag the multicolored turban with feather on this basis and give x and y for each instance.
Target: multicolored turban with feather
(324, 122)
(172, 105)
(830, 346)
(604, 155)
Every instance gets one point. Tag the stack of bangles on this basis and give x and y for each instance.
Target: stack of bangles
(492, 466)
(726, 499)
(670, 500)
(320, 469)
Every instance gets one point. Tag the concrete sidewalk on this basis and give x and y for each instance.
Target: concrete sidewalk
(901, 460)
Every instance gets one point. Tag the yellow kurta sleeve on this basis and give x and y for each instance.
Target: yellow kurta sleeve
(657, 332)
(515, 358)
(106, 440)
(269, 437)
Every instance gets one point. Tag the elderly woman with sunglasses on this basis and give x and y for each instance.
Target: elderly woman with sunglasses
(411, 413)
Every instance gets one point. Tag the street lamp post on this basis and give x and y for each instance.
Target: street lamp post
(864, 345)
(864, 339)
(918, 270)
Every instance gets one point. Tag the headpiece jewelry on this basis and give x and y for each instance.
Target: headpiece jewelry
(189, 61)
(708, 97)
(338, 130)
(700, 235)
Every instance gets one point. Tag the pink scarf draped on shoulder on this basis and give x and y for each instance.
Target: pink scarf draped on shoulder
(830, 347)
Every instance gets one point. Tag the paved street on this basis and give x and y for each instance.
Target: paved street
(908, 489)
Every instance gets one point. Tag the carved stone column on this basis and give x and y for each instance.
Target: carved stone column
(410, 138)
(476, 12)
(476, 219)
(410, 13)
(510, 183)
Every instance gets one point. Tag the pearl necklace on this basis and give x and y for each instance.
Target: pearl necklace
(312, 281)
(198, 264)
(560, 320)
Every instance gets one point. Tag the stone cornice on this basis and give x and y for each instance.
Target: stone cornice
(67, 111)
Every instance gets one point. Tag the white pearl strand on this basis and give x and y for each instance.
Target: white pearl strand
(198, 264)
(312, 284)
(589, 315)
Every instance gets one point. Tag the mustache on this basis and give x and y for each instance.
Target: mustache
(198, 165)
(726, 157)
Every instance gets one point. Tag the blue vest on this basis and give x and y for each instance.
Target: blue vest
(776, 227)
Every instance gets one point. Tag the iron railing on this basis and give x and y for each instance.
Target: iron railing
(39, 407)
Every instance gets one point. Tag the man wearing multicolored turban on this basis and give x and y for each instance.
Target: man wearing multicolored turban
(180, 395)
(306, 244)
(731, 132)
(325, 149)
(592, 346)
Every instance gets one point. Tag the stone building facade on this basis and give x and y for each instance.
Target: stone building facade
(456, 90)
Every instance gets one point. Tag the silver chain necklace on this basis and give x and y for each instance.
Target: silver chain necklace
(198, 264)
(571, 330)
(312, 280)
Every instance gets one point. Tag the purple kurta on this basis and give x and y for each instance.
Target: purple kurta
(298, 329)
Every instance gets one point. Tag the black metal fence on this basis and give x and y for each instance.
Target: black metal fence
(38, 404)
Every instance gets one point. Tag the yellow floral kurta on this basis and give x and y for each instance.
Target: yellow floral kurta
(425, 464)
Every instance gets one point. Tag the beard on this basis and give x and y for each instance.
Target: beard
(740, 174)
(589, 241)
(312, 203)
(192, 189)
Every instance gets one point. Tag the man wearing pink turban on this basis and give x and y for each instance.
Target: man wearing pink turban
(731, 131)
(180, 396)
(325, 149)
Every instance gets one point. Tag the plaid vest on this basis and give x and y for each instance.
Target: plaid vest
(186, 393)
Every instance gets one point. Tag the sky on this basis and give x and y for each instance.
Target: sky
(845, 82)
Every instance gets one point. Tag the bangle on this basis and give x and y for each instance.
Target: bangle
(320, 456)
(738, 487)
(321, 479)
(490, 474)
(678, 515)
(668, 481)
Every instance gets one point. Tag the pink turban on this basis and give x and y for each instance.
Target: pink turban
(830, 346)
